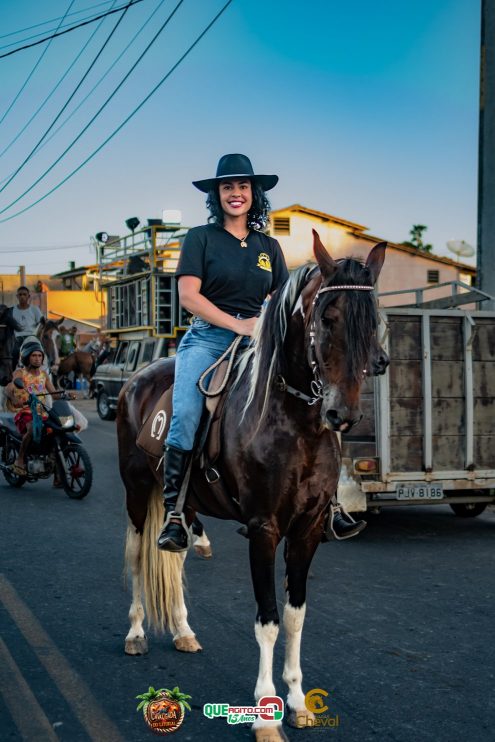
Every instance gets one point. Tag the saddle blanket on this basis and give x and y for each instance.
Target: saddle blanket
(154, 431)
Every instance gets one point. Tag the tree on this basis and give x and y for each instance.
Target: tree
(416, 241)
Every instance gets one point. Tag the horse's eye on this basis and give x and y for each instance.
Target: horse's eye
(327, 322)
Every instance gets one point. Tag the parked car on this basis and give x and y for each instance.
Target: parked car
(131, 354)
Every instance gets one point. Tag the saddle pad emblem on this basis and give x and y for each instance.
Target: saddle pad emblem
(158, 424)
(264, 262)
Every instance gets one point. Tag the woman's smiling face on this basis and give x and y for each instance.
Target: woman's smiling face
(236, 196)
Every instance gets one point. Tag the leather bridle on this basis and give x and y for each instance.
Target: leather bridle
(316, 382)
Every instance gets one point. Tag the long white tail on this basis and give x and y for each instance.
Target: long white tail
(160, 571)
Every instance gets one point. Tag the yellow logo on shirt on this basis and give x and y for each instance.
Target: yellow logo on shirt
(264, 262)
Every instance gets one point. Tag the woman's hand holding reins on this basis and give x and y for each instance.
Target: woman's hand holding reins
(245, 326)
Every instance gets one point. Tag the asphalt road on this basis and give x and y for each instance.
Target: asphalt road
(399, 627)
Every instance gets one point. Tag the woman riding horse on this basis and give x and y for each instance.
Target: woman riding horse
(279, 462)
(226, 270)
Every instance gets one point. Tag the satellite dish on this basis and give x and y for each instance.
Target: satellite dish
(460, 248)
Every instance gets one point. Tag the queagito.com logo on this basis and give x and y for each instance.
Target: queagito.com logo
(269, 708)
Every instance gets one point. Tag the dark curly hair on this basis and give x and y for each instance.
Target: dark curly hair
(258, 214)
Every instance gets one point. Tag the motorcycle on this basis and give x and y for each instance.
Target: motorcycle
(58, 452)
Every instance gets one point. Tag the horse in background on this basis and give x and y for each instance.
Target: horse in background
(47, 329)
(8, 326)
(80, 363)
(296, 387)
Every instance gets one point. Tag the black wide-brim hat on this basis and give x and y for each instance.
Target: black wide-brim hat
(236, 166)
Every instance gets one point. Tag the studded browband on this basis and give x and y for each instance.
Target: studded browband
(344, 288)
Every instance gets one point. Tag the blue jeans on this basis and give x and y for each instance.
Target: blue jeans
(201, 346)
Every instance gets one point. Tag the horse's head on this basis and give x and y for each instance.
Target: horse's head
(48, 326)
(342, 320)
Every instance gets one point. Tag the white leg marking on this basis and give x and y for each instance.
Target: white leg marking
(266, 636)
(136, 611)
(202, 546)
(293, 624)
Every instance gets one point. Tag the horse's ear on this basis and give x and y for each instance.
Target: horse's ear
(42, 321)
(375, 260)
(327, 264)
(58, 322)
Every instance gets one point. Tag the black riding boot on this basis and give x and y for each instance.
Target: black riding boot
(340, 525)
(175, 534)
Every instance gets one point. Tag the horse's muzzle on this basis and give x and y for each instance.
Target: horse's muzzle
(340, 424)
(380, 364)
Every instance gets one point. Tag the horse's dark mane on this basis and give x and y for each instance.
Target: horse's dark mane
(360, 313)
(267, 355)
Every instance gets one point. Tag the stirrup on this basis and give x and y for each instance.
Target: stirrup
(173, 515)
(330, 533)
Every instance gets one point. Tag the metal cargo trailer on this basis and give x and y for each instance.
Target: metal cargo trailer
(428, 432)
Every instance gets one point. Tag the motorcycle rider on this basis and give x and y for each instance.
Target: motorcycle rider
(37, 381)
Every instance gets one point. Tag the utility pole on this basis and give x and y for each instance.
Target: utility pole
(22, 275)
(486, 164)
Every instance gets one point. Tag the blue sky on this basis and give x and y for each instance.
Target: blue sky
(368, 111)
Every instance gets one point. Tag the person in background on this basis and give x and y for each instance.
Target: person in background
(35, 380)
(73, 334)
(92, 346)
(27, 316)
(106, 351)
(66, 342)
(41, 288)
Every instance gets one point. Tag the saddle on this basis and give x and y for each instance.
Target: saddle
(154, 431)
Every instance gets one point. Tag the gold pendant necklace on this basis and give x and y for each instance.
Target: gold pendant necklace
(243, 241)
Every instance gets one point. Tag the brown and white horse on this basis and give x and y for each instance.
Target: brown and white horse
(45, 334)
(78, 362)
(296, 387)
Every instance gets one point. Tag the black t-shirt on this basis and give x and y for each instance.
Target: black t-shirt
(236, 279)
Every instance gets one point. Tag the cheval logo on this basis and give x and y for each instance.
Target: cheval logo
(315, 701)
(264, 262)
(163, 709)
(158, 424)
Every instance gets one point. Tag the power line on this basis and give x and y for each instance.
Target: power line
(131, 115)
(81, 103)
(67, 30)
(52, 20)
(102, 107)
(40, 107)
(69, 99)
(42, 249)
(16, 98)
(31, 265)
(47, 33)
(69, 26)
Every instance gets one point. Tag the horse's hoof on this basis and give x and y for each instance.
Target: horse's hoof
(204, 552)
(299, 719)
(138, 645)
(270, 734)
(187, 644)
